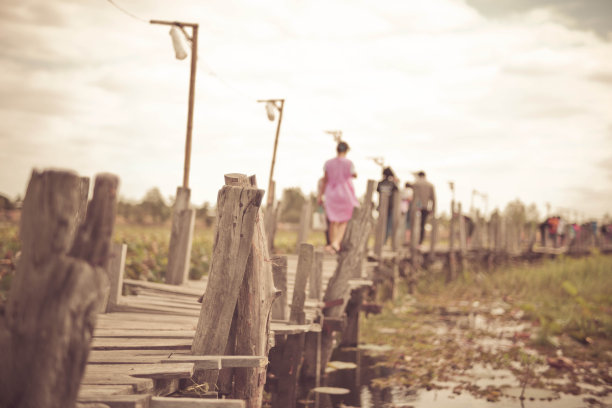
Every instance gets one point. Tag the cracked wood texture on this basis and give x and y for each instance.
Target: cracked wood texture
(250, 329)
(50, 315)
(238, 207)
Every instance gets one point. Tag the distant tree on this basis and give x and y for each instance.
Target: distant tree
(291, 205)
(532, 214)
(154, 206)
(515, 212)
(205, 214)
(6, 203)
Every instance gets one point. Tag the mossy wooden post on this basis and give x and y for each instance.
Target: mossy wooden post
(181, 238)
(288, 353)
(279, 273)
(349, 259)
(253, 308)
(452, 262)
(237, 213)
(305, 219)
(46, 330)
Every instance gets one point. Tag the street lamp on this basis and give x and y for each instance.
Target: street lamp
(273, 105)
(183, 217)
(181, 53)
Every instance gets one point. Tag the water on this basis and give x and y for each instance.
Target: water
(451, 394)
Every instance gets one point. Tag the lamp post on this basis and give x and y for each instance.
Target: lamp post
(183, 217)
(273, 105)
(194, 58)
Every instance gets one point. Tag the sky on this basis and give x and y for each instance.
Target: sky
(507, 99)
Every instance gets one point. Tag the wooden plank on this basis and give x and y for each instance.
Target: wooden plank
(118, 343)
(143, 333)
(164, 371)
(164, 288)
(166, 402)
(97, 390)
(128, 356)
(140, 385)
(118, 401)
(218, 362)
(143, 307)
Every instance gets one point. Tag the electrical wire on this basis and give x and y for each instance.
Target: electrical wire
(127, 13)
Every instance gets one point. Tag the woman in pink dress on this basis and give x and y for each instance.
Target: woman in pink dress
(339, 195)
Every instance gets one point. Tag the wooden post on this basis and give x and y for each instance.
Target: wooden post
(237, 212)
(452, 265)
(304, 268)
(315, 284)
(290, 351)
(462, 238)
(181, 238)
(50, 314)
(353, 245)
(114, 272)
(350, 335)
(305, 218)
(381, 227)
(279, 272)
(253, 307)
(434, 237)
(270, 217)
(396, 236)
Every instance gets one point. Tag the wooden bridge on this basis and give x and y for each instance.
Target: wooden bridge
(71, 335)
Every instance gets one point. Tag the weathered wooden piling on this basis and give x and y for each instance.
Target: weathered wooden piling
(46, 330)
(452, 260)
(286, 356)
(237, 213)
(181, 238)
(279, 273)
(338, 290)
(114, 271)
(381, 225)
(305, 220)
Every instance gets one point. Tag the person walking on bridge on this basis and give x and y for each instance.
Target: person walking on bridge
(424, 200)
(339, 195)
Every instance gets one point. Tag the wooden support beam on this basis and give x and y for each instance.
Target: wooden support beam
(257, 294)
(51, 309)
(167, 402)
(305, 221)
(114, 272)
(304, 268)
(279, 272)
(238, 210)
(181, 238)
(315, 283)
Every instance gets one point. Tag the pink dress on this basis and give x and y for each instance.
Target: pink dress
(339, 193)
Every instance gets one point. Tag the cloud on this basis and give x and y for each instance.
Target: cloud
(590, 15)
(602, 77)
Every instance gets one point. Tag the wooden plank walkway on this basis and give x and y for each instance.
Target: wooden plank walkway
(156, 325)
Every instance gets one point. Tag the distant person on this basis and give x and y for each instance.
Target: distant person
(406, 195)
(339, 195)
(387, 185)
(424, 200)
